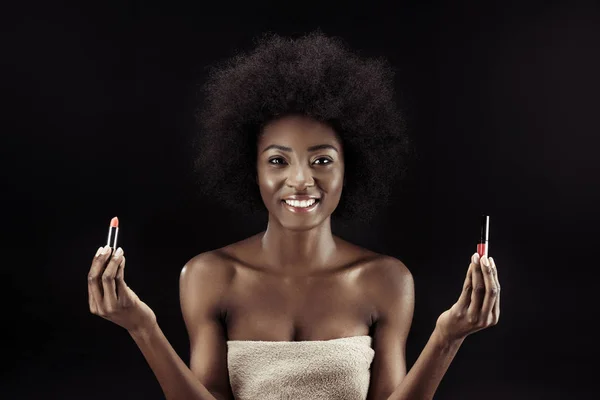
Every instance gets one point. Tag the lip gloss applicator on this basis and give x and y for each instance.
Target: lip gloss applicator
(484, 236)
(113, 232)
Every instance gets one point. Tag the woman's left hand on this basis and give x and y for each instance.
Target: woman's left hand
(478, 306)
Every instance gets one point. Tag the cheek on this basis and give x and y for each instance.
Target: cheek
(268, 181)
(267, 184)
(337, 182)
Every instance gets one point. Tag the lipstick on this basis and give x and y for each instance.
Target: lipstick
(113, 231)
(484, 236)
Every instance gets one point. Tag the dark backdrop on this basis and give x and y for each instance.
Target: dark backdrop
(502, 102)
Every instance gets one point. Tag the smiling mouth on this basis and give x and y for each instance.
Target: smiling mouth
(301, 209)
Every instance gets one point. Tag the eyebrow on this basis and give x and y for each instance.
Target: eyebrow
(311, 148)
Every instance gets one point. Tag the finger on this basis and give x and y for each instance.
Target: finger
(91, 300)
(465, 295)
(496, 310)
(477, 294)
(95, 274)
(120, 280)
(108, 280)
(491, 292)
(121, 270)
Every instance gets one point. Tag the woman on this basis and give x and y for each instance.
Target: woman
(304, 130)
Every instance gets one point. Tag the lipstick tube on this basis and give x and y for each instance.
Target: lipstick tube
(484, 236)
(113, 232)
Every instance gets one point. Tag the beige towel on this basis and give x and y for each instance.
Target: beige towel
(304, 370)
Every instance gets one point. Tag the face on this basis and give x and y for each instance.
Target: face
(300, 156)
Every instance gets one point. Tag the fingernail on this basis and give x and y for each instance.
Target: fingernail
(98, 252)
(119, 252)
(475, 258)
(485, 261)
(106, 249)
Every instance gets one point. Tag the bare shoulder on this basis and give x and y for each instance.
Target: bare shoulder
(210, 265)
(379, 266)
(217, 264)
(392, 268)
(393, 274)
(388, 279)
(208, 273)
(383, 275)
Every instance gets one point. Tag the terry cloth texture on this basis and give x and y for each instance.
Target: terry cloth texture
(304, 370)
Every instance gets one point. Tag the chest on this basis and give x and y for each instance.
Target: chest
(260, 306)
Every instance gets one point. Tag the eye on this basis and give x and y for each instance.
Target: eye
(276, 158)
(324, 158)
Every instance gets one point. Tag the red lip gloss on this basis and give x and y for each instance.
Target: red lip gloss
(484, 236)
(113, 231)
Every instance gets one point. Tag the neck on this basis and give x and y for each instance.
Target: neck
(298, 250)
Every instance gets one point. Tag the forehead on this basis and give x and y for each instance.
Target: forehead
(297, 130)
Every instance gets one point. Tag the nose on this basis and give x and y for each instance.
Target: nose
(300, 177)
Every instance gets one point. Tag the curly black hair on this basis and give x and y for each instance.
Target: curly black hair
(316, 76)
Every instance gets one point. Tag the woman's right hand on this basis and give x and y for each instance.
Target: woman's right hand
(111, 298)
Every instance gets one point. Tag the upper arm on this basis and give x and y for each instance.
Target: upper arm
(202, 283)
(394, 288)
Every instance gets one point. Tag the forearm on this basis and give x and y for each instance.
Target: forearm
(175, 378)
(423, 379)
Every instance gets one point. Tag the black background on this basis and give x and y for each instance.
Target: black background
(502, 101)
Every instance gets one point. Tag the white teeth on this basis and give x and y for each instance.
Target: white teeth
(303, 203)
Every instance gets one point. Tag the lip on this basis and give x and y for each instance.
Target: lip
(300, 210)
(301, 197)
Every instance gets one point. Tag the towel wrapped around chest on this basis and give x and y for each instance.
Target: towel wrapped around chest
(307, 370)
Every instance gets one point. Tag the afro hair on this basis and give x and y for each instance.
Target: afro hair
(316, 76)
